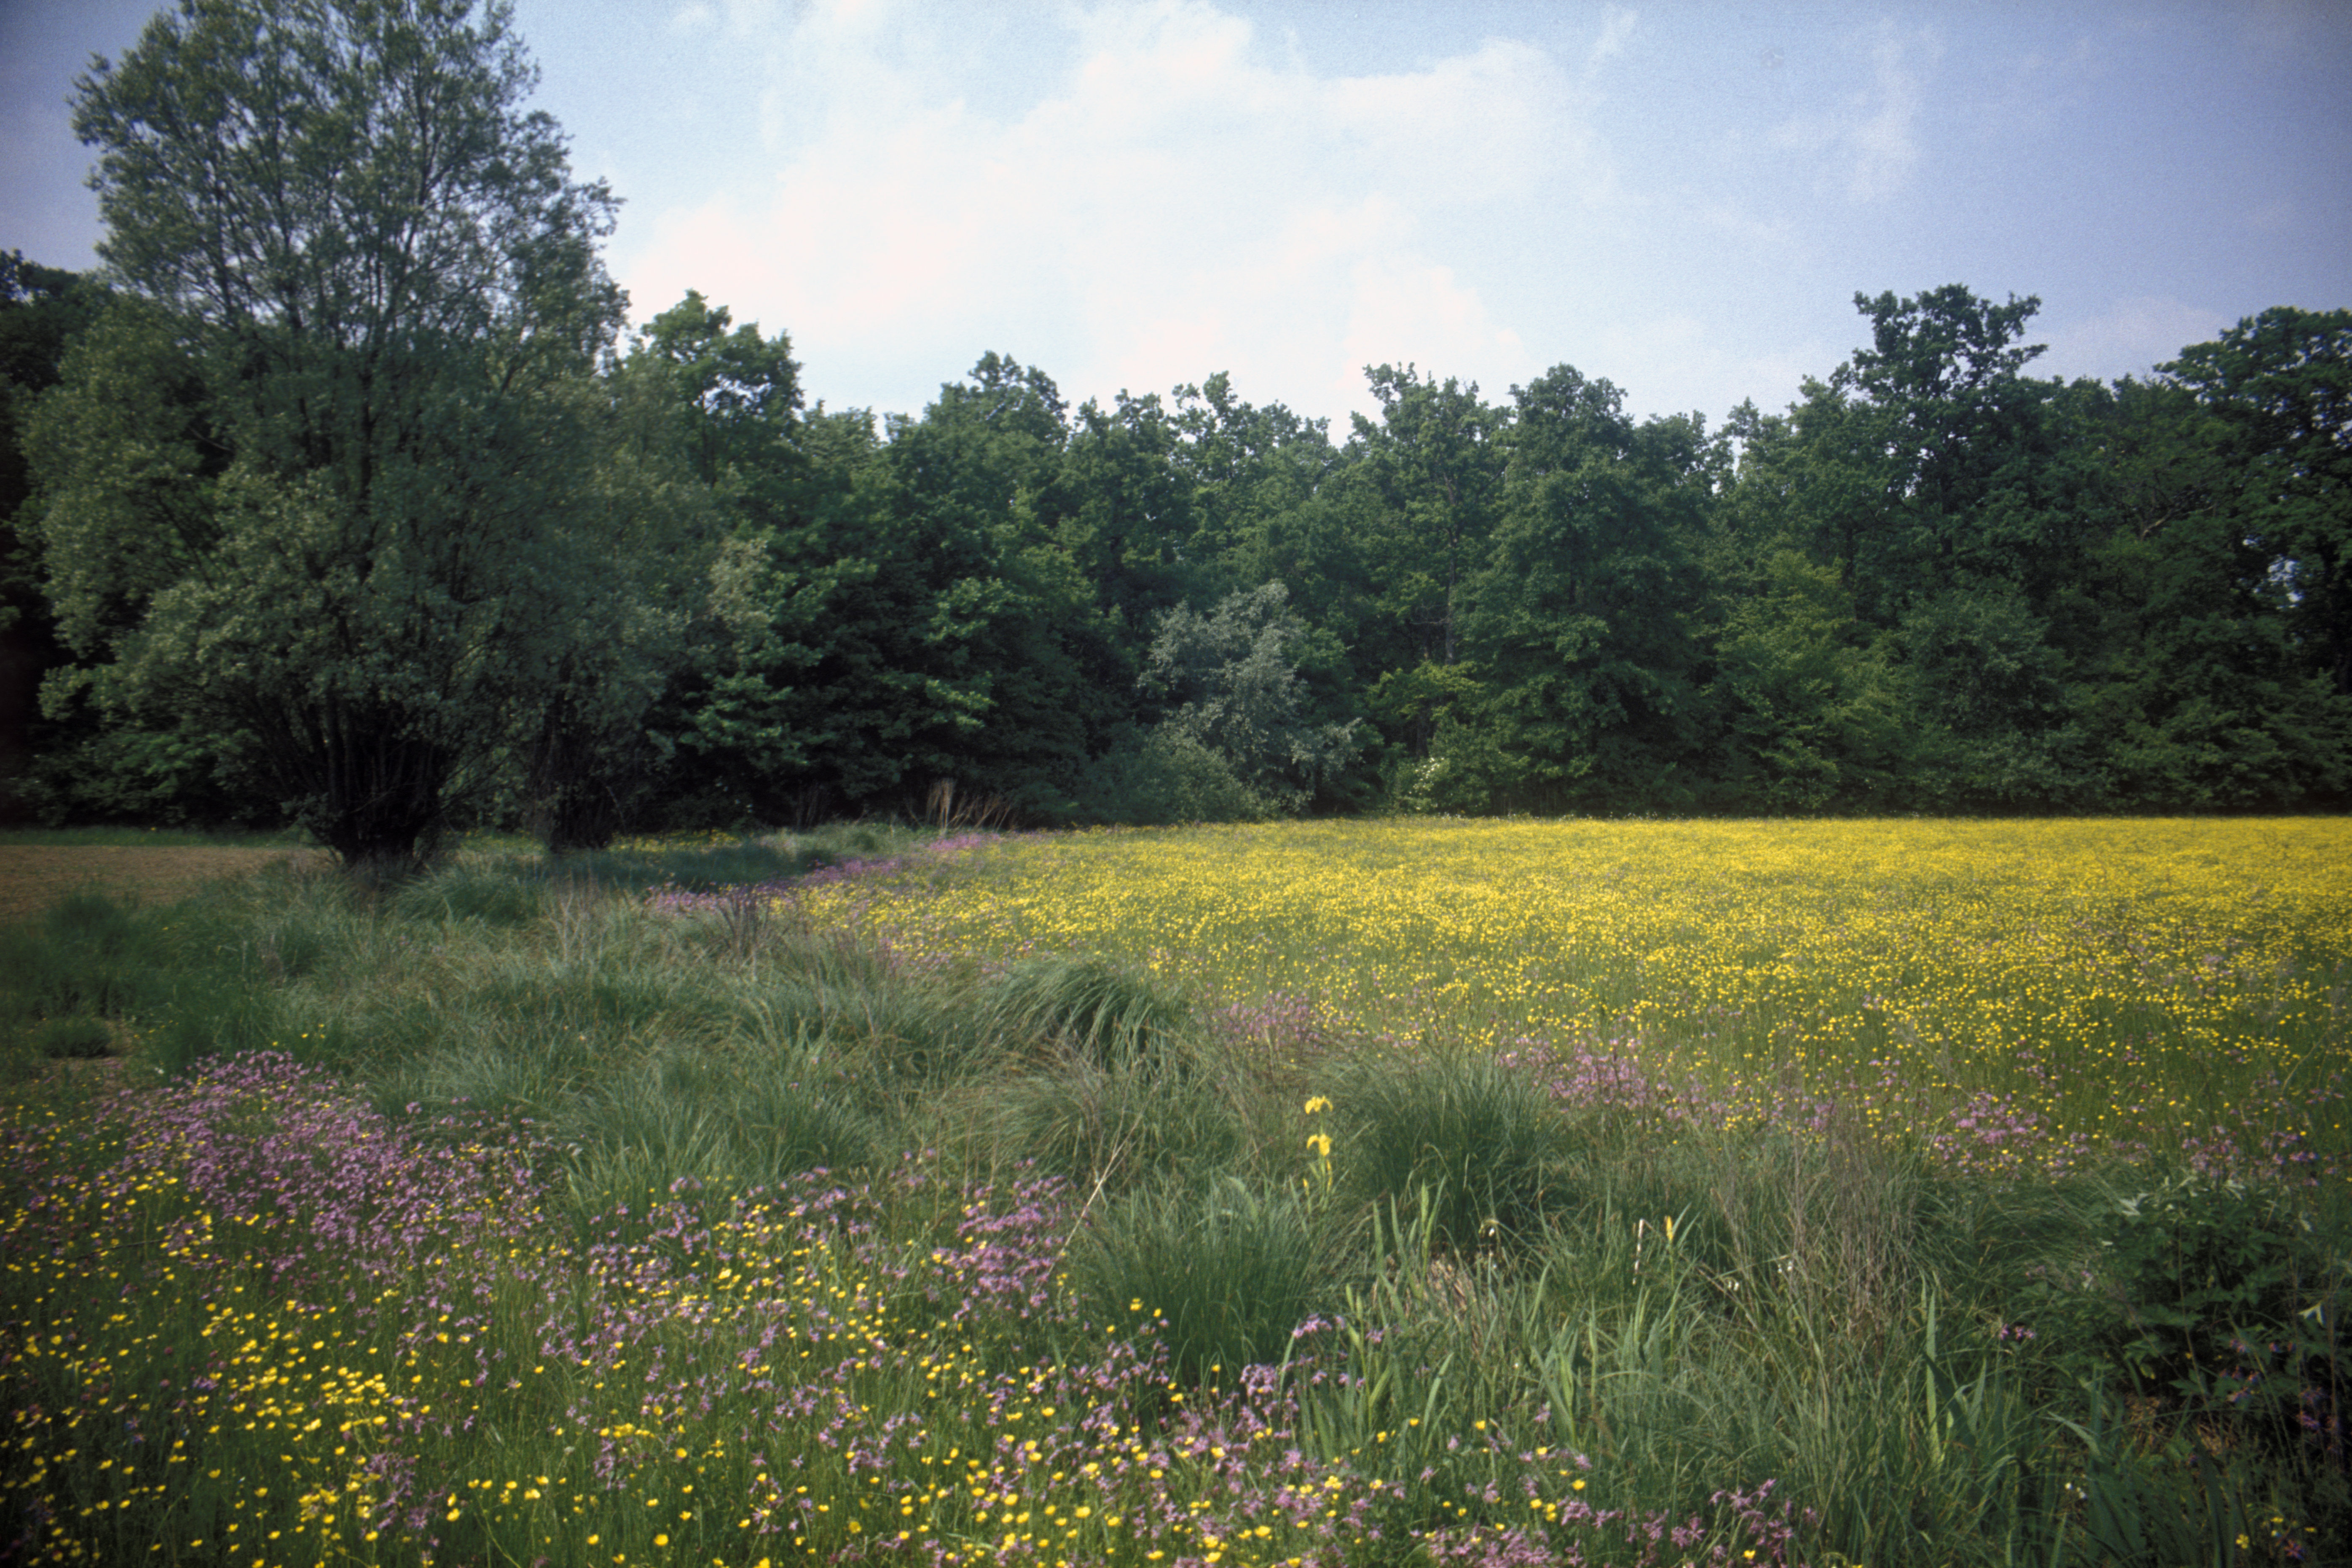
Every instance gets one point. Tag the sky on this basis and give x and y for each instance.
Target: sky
(1681, 198)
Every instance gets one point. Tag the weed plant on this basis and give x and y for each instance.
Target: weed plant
(600, 1212)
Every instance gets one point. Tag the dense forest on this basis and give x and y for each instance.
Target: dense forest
(289, 533)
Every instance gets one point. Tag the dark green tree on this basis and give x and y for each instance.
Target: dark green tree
(1126, 511)
(1957, 442)
(2281, 385)
(2200, 693)
(900, 615)
(1581, 630)
(1434, 460)
(1248, 468)
(41, 310)
(716, 430)
(1814, 710)
(651, 529)
(1932, 475)
(318, 481)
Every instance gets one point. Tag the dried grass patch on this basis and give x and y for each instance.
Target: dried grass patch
(34, 877)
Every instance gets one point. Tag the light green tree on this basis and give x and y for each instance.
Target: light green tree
(1241, 697)
(330, 478)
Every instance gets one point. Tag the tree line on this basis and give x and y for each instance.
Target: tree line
(340, 496)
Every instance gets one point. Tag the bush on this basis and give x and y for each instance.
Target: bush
(2213, 1305)
(88, 954)
(1162, 776)
(81, 1035)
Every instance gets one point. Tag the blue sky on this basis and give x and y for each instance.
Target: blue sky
(1681, 198)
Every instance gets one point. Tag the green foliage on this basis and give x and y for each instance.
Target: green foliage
(1162, 776)
(2222, 1299)
(1933, 582)
(1811, 701)
(41, 309)
(91, 953)
(128, 771)
(328, 479)
(79, 1035)
(1434, 463)
(2280, 386)
(1988, 691)
(1241, 697)
(1580, 632)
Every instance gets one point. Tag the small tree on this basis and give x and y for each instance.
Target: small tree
(1242, 699)
(320, 481)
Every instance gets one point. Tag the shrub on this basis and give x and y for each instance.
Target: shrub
(87, 954)
(79, 1035)
(2214, 1304)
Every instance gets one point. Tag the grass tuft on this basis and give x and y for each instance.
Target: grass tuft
(1101, 1013)
(1461, 1134)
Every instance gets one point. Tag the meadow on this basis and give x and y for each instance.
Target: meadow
(1422, 1191)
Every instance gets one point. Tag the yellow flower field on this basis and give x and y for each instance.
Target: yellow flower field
(2111, 978)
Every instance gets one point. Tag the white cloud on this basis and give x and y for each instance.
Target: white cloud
(1679, 363)
(1611, 41)
(2129, 339)
(1869, 139)
(1405, 310)
(1167, 202)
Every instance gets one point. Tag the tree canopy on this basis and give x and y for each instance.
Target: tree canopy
(319, 478)
(339, 495)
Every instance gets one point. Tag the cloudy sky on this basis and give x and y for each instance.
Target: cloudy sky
(1683, 198)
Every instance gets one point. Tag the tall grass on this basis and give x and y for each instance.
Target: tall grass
(598, 1211)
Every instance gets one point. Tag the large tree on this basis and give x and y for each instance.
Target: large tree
(319, 479)
(2281, 383)
(1436, 461)
(41, 308)
(1579, 618)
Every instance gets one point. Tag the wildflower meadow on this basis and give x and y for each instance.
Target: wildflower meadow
(1413, 1192)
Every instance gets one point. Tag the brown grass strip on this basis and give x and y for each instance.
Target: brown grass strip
(34, 877)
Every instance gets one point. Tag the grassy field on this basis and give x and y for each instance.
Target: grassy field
(1371, 1192)
(36, 870)
(2089, 984)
